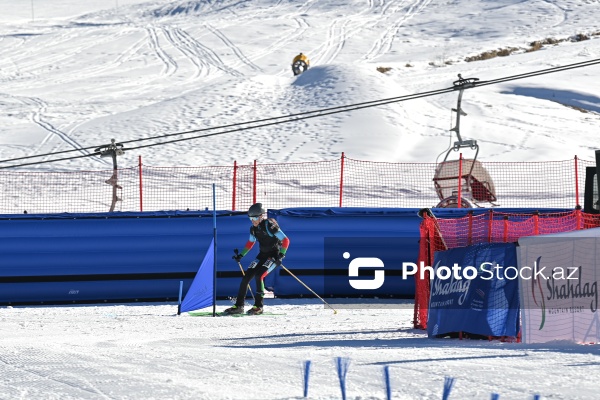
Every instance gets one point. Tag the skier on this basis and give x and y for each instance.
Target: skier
(300, 64)
(273, 245)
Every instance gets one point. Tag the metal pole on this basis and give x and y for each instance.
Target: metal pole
(180, 296)
(114, 180)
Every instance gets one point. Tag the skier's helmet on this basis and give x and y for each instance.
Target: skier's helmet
(256, 210)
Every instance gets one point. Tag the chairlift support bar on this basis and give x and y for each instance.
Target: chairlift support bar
(112, 150)
(461, 84)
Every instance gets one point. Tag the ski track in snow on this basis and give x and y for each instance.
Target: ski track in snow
(236, 50)
(170, 66)
(37, 118)
(386, 40)
(196, 49)
(179, 42)
(340, 30)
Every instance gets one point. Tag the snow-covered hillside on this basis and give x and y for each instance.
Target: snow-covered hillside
(73, 75)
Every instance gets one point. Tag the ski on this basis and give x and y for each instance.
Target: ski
(222, 314)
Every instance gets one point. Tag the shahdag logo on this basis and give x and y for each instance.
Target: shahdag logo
(365, 262)
(535, 280)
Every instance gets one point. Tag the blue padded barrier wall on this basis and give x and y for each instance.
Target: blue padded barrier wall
(71, 258)
(320, 237)
(64, 258)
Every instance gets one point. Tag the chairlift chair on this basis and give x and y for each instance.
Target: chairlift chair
(475, 182)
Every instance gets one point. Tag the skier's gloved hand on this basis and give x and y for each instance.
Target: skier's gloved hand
(279, 258)
(237, 257)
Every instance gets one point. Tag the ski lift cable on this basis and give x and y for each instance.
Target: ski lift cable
(241, 126)
(49, 161)
(316, 114)
(284, 118)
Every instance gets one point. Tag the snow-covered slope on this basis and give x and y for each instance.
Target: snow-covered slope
(75, 75)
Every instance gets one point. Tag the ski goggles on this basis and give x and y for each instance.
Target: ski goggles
(254, 218)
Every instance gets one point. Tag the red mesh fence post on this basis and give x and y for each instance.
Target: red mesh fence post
(254, 184)
(576, 185)
(536, 223)
(140, 178)
(422, 289)
(341, 178)
(460, 165)
(490, 226)
(470, 231)
(578, 219)
(418, 284)
(234, 186)
(505, 236)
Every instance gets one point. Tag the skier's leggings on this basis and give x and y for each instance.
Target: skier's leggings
(257, 270)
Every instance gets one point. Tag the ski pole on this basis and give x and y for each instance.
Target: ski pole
(244, 274)
(312, 291)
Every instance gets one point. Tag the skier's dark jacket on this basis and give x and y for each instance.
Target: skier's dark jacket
(270, 237)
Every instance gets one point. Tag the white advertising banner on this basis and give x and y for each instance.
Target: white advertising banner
(558, 286)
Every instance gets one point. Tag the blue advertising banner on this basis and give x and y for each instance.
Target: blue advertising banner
(475, 289)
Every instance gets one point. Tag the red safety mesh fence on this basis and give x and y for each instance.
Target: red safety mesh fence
(183, 188)
(59, 192)
(309, 184)
(490, 227)
(343, 182)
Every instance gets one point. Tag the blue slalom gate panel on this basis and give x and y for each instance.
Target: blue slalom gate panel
(201, 292)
